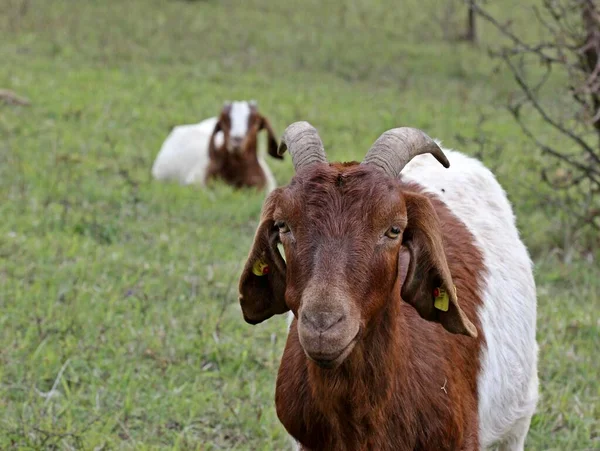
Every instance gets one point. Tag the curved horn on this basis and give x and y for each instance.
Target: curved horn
(304, 144)
(396, 147)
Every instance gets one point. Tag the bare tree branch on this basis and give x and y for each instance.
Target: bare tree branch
(569, 53)
(542, 112)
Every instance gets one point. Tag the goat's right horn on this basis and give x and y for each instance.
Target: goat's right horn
(304, 144)
(396, 147)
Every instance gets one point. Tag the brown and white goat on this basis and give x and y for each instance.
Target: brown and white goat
(412, 296)
(223, 147)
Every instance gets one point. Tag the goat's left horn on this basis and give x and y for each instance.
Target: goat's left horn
(304, 144)
(396, 147)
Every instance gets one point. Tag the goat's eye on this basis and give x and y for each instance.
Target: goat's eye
(393, 232)
(282, 226)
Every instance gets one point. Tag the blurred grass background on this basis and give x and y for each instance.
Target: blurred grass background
(119, 322)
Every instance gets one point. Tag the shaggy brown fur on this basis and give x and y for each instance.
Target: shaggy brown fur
(406, 383)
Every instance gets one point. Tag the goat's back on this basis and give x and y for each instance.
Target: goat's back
(183, 156)
(507, 384)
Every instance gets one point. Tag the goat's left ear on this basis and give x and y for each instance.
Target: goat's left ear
(262, 283)
(425, 270)
(272, 141)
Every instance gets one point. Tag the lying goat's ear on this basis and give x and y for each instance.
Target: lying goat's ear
(262, 283)
(272, 141)
(427, 283)
(216, 140)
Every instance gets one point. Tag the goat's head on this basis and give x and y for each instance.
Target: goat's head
(237, 128)
(354, 241)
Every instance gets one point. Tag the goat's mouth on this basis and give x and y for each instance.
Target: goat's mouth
(334, 359)
(235, 148)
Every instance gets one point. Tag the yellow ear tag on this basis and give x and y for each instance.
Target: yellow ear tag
(442, 301)
(260, 268)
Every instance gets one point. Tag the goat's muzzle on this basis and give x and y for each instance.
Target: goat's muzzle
(327, 337)
(235, 144)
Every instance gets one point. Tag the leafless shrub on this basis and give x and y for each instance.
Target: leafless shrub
(558, 79)
(487, 147)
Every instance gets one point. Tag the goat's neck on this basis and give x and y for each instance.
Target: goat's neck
(355, 403)
(364, 384)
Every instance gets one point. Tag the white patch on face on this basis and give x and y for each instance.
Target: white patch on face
(239, 115)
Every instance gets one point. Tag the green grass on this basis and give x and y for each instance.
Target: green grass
(119, 322)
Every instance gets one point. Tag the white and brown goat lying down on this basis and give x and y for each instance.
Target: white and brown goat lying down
(413, 300)
(223, 147)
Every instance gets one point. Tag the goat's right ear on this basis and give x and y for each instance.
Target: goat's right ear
(217, 135)
(262, 283)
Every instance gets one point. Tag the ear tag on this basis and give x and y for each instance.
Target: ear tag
(260, 268)
(442, 301)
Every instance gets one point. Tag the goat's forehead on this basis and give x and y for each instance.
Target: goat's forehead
(239, 115)
(340, 190)
(344, 177)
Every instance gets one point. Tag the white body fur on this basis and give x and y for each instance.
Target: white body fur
(184, 158)
(508, 381)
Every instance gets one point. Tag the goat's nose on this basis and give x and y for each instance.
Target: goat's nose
(322, 321)
(236, 142)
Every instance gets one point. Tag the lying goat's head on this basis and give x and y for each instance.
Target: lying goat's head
(237, 128)
(354, 240)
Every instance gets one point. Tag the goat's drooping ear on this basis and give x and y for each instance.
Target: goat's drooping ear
(427, 284)
(217, 135)
(272, 141)
(262, 283)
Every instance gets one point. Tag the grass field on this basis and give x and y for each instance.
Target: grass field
(119, 322)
